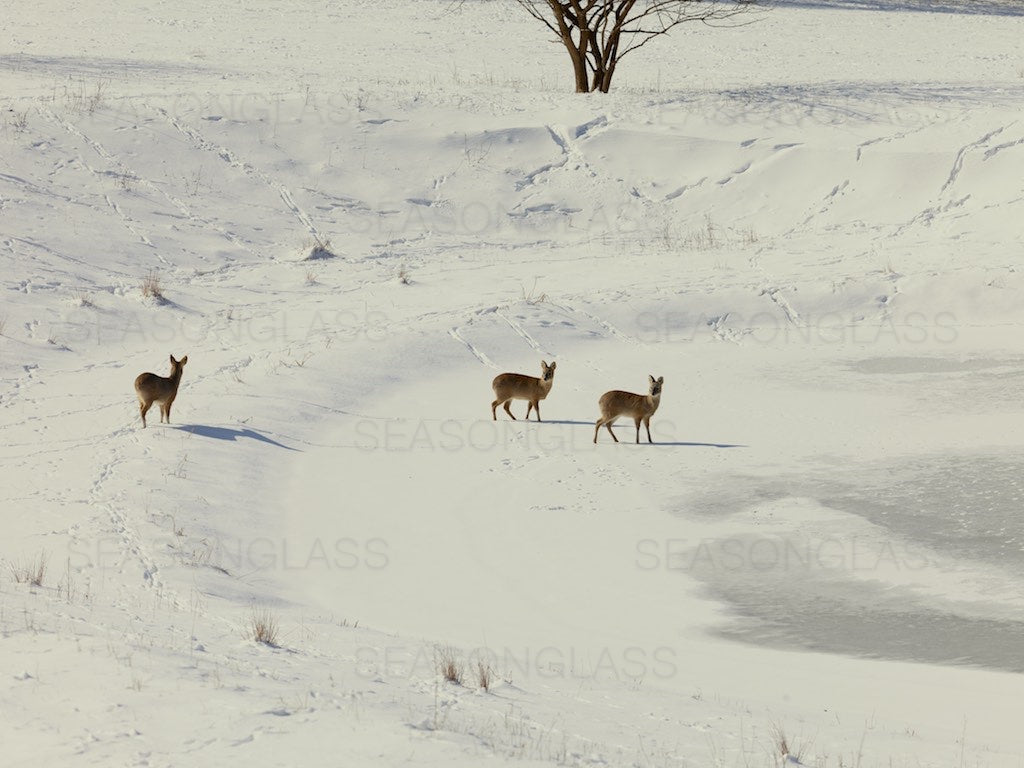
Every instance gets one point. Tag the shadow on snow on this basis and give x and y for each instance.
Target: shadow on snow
(227, 433)
(677, 444)
(972, 7)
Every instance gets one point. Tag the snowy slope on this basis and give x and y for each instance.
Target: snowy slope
(810, 227)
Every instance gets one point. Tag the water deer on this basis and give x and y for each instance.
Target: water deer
(157, 389)
(641, 407)
(516, 386)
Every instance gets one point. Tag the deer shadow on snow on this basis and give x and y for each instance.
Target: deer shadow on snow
(657, 443)
(230, 434)
(622, 427)
(630, 439)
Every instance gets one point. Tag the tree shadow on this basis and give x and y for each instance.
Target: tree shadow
(227, 433)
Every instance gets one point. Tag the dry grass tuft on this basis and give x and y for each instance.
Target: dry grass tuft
(449, 666)
(319, 248)
(150, 286)
(82, 298)
(30, 571)
(484, 674)
(532, 297)
(263, 627)
(705, 238)
(787, 751)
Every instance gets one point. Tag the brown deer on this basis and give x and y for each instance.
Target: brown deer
(156, 389)
(641, 407)
(516, 386)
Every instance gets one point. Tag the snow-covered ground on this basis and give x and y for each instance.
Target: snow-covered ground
(811, 226)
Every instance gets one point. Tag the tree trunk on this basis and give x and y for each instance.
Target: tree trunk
(579, 66)
(578, 53)
(609, 58)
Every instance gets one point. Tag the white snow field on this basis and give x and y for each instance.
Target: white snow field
(353, 215)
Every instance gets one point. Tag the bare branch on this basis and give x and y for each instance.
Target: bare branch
(598, 33)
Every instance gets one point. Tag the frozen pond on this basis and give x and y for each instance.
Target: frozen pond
(920, 561)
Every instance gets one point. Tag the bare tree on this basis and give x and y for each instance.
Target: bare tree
(598, 33)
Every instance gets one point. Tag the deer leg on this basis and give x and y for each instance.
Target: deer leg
(647, 423)
(494, 409)
(597, 428)
(529, 407)
(143, 408)
(637, 420)
(536, 407)
(508, 409)
(608, 426)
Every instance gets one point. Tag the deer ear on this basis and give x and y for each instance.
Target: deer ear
(173, 361)
(661, 379)
(184, 359)
(543, 364)
(651, 378)
(553, 365)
